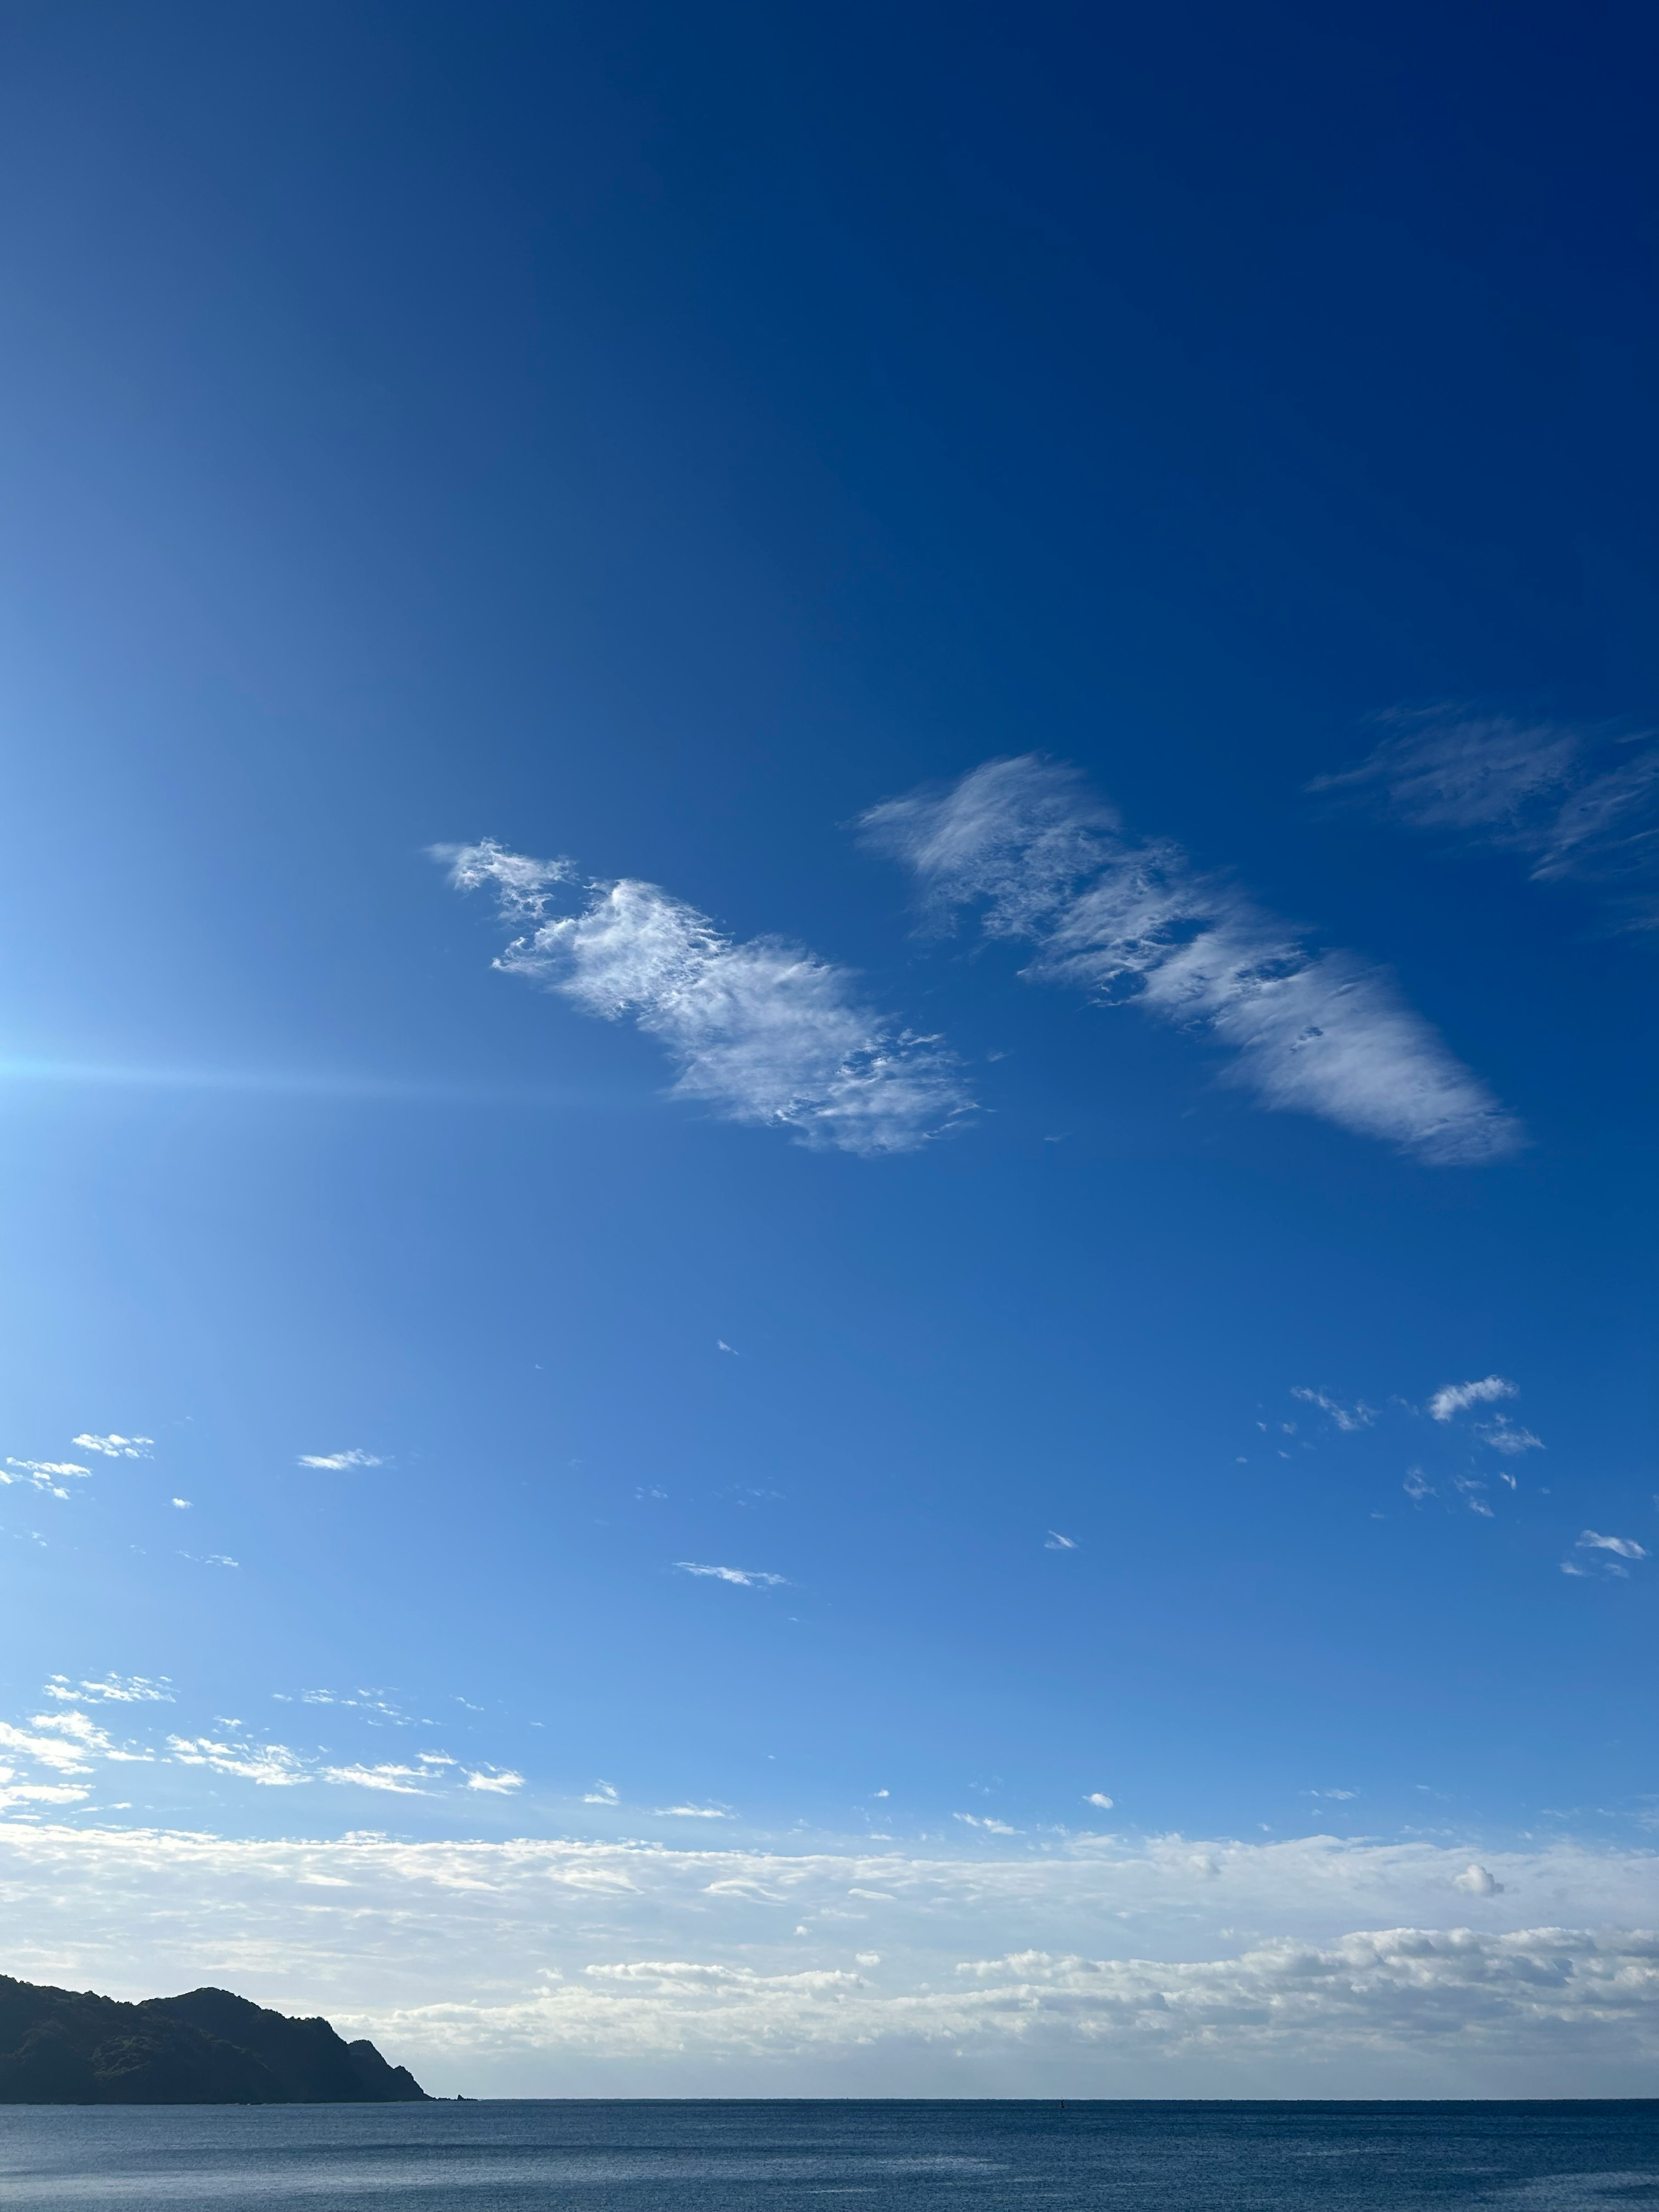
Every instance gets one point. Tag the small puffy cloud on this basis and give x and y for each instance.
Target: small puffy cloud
(115, 1689)
(985, 1821)
(867, 1958)
(114, 1447)
(337, 1462)
(747, 1577)
(1099, 1797)
(1625, 1546)
(501, 1780)
(1359, 1415)
(1477, 1882)
(402, 1780)
(1454, 1398)
(182, 1505)
(45, 1473)
(1058, 1543)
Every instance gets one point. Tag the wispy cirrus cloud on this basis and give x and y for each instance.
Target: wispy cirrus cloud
(114, 1689)
(337, 1462)
(1454, 1398)
(1348, 1418)
(761, 1031)
(1576, 802)
(401, 1781)
(1626, 1547)
(272, 1764)
(747, 1577)
(1135, 922)
(1506, 1436)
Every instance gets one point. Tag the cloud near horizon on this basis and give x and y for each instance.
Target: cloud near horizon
(1171, 1966)
(760, 1030)
(1131, 923)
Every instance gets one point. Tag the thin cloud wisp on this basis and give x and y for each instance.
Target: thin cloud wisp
(1126, 921)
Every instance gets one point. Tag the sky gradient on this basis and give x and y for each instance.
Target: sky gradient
(827, 1066)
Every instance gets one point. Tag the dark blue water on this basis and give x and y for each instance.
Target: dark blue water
(615, 2156)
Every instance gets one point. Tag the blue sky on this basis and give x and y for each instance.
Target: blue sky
(829, 939)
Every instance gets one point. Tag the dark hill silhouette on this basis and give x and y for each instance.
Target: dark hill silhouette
(206, 2047)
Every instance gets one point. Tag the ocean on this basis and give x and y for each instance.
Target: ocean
(786, 2156)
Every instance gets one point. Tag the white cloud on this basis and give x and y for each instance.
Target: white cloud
(984, 1820)
(402, 1780)
(1099, 1797)
(1347, 1418)
(337, 1462)
(691, 1813)
(1625, 1546)
(115, 1689)
(1454, 1398)
(44, 1474)
(503, 1780)
(271, 1764)
(1478, 1881)
(750, 1577)
(1416, 1485)
(602, 1793)
(1579, 803)
(1058, 1543)
(1323, 1033)
(1100, 1967)
(12, 1792)
(65, 1757)
(1503, 1435)
(182, 1505)
(762, 1031)
(114, 1447)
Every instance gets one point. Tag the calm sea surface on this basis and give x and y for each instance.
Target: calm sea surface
(787, 2157)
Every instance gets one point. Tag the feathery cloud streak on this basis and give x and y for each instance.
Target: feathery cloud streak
(1323, 1033)
(761, 1030)
(1578, 803)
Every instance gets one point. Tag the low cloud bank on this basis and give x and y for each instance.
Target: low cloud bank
(1312, 1968)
